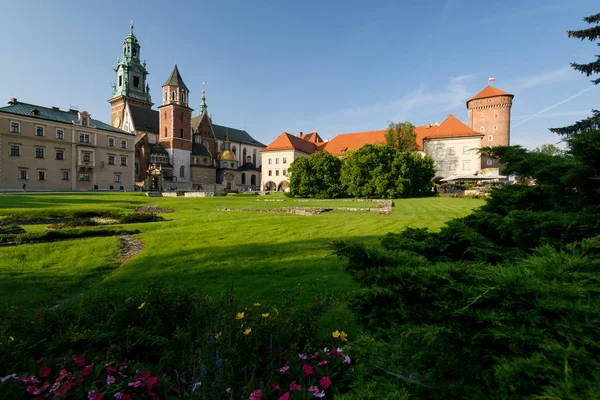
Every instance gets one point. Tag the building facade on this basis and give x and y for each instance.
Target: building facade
(186, 152)
(48, 149)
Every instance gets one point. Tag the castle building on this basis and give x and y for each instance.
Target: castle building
(49, 149)
(452, 144)
(185, 151)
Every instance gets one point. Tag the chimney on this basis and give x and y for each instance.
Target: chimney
(301, 134)
(427, 125)
(13, 101)
(55, 108)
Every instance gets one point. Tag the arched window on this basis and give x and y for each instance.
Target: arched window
(232, 165)
(254, 157)
(244, 155)
(84, 122)
(234, 150)
(195, 160)
(165, 131)
(253, 180)
(243, 179)
(182, 172)
(181, 133)
(166, 96)
(181, 97)
(173, 96)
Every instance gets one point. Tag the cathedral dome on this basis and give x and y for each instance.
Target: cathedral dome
(226, 155)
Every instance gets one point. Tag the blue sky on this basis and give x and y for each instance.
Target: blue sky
(326, 66)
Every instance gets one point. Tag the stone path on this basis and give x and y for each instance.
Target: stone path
(130, 247)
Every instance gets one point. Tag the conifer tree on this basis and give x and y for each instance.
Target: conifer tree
(588, 69)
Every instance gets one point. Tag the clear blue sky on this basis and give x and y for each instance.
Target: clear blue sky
(325, 66)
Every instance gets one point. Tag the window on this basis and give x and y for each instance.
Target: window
(124, 161)
(15, 150)
(23, 174)
(181, 133)
(482, 117)
(39, 152)
(111, 142)
(283, 173)
(123, 144)
(39, 131)
(42, 175)
(84, 122)
(451, 151)
(232, 165)
(276, 172)
(243, 178)
(60, 154)
(111, 160)
(165, 135)
(489, 162)
(86, 156)
(84, 177)
(136, 81)
(453, 166)
(269, 161)
(65, 175)
(284, 160)
(117, 178)
(14, 127)
(60, 134)
(173, 96)
(182, 172)
(490, 138)
(482, 129)
(165, 111)
(495, 127)
(466, 165)
(270, 172)
(277, 161)
(84, 138)
(120, 80)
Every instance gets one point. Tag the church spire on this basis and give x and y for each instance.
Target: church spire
(203, 106)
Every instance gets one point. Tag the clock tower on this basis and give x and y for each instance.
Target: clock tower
(131, 86)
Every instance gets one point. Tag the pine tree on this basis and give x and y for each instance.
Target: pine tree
(588, 69)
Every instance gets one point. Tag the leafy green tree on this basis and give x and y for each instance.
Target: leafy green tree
(401, 136)
(588, 69)
(549, 149)
(385, 172)
(316, 176)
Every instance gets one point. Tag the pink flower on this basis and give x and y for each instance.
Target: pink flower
(347, 360)
(80, 362)
(93, 395)
(88, 369)
(295, 386)
(323, 363)
(122, 396)
(275, 386)
(325, 382)
(307, 370)
(314, 355)
(110, 380)
(313, 389)
(284, 369)
(152, 382)
(255, 395)
(110, 368)
(302, 356)
(44, 372)
(335, 353)
(40, 360)
(135, 384)
(285, 396)
(228, 390)
(30, 379)
(33, 390)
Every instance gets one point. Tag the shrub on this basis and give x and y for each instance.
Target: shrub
(11, 229)
(139, 217)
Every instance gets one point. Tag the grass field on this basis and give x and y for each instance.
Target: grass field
(266, 256)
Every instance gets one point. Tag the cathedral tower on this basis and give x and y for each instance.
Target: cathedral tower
(175, 134)
(489, 114)
(131, 83)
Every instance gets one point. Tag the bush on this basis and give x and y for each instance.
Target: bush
(48, 236)
(11, 229)
(139, 217)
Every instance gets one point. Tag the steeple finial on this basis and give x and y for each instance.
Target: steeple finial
(203, 106)
(226, 134)
(131, 27)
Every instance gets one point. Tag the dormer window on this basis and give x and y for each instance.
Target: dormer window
(84, 122)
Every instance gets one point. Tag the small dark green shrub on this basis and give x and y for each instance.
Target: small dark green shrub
(138, 217)
(74, 223)
(11, 230)
(74, 233)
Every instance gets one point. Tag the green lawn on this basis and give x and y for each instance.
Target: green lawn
(266, 256)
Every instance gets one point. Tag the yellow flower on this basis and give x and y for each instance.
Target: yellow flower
(343, 336)
(275, 309)
(247, 331)
(256, 304)
(218, 335)
(141, 305)
(265, 315)
(239, 315)
(335, 334)
(11, 338)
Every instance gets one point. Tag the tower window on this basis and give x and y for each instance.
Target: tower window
(120, 80)
(495, 127)
(490, 138)
(173, 96)
(136, 81)
(181, 133)
(165, 131)
(482, 129)
(482, 117)
(181, 117)
(134, 52)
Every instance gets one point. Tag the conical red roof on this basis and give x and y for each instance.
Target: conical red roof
(489, 91)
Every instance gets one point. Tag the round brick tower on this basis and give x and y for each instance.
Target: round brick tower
(489, 114)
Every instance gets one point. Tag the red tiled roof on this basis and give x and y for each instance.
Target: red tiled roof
(489, 91)
(350, 141)
(312, 137)
(285, 141)
(451, 127)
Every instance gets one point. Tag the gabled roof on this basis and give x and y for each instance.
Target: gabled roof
(351, 141)
(144, 119)
(175, 79)
(489, 91)
(286, 141)
(312, 137)
(49, 114)
(452, 127)
(235, 135)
